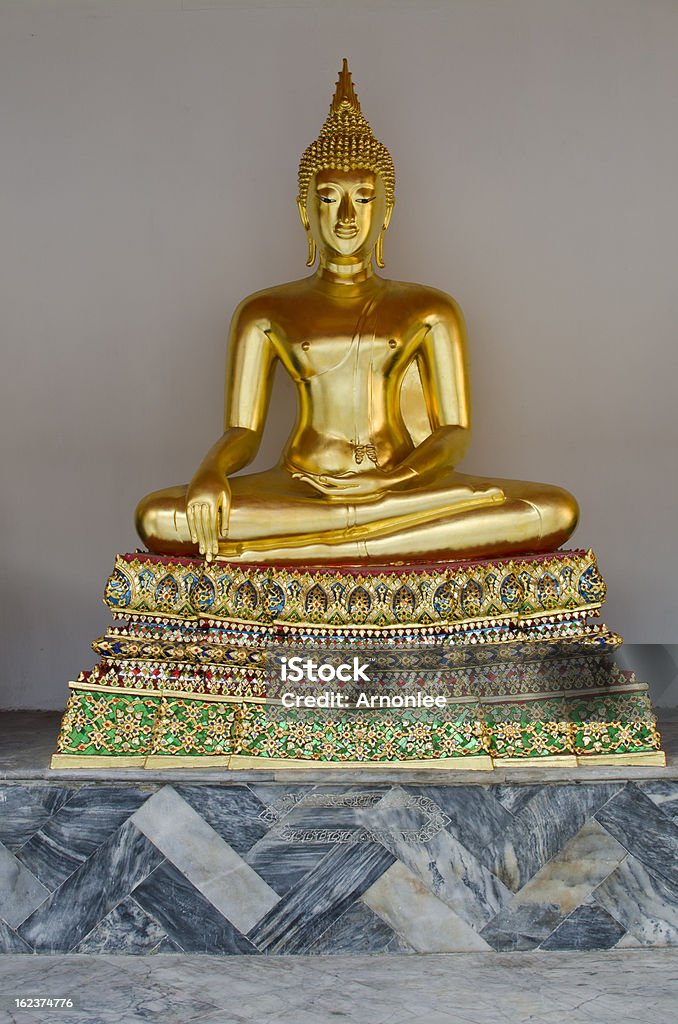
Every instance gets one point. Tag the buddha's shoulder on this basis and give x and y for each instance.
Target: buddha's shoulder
(262, 306)
(424, 302)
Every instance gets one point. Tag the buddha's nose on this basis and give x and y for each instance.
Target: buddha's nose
(346, 210)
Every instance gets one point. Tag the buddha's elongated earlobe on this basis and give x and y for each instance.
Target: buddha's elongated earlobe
(379, 247)
(379, 250)
(310, 259)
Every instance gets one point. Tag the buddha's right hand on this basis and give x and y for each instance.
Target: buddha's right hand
(207, 505)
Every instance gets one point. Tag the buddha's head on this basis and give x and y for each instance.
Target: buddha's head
(346, 184)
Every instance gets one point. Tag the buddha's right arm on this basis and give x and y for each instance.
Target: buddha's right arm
(235, 448)
(249, 375)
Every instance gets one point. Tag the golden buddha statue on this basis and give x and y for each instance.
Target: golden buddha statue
(380, 367)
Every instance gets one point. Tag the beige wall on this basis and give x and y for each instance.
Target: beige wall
(147, 182)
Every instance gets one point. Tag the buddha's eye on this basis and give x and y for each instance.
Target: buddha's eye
(370, 200)
(326, 199)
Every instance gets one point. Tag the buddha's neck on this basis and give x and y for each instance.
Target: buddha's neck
(345, 273)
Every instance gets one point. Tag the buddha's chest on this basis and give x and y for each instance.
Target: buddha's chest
(340, 356)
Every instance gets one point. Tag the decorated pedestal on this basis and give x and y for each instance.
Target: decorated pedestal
(521, 672)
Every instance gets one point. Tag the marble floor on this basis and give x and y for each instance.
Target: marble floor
(462, 988)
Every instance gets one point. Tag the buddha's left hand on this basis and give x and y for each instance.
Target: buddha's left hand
(357, 486)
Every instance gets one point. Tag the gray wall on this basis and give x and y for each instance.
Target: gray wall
(658, 665)
(147, 183)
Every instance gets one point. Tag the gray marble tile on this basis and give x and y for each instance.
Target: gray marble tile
(642, 902)
(91, 892)
(425, 922)
(541, 828)
(476, 816)
(283, 865)
(570, 877)
(359, 930)
(77, 829)
(20, 891)
(184, 914)
(663, 793)
(10, 942)
(521, 927)
(558, 889)
(25, 808)
(447, 868)
(126, 929)
(514, 798)
(645, 830)
(588, 927)
(207, 861)
(232, 811)
(311, 906)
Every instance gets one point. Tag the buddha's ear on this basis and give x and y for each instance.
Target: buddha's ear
(310, 259)
(301, 206)
(379, 247)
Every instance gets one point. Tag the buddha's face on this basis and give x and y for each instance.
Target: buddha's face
(345, 211)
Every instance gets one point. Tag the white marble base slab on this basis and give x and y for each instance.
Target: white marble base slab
(462, 988)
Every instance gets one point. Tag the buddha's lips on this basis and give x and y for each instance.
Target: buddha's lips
(346, 232)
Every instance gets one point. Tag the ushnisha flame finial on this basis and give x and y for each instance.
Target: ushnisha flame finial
(345, 91)
(346, 142)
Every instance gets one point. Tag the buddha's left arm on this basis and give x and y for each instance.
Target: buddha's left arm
(443, 367)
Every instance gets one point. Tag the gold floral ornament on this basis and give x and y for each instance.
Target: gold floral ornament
(346, 143)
